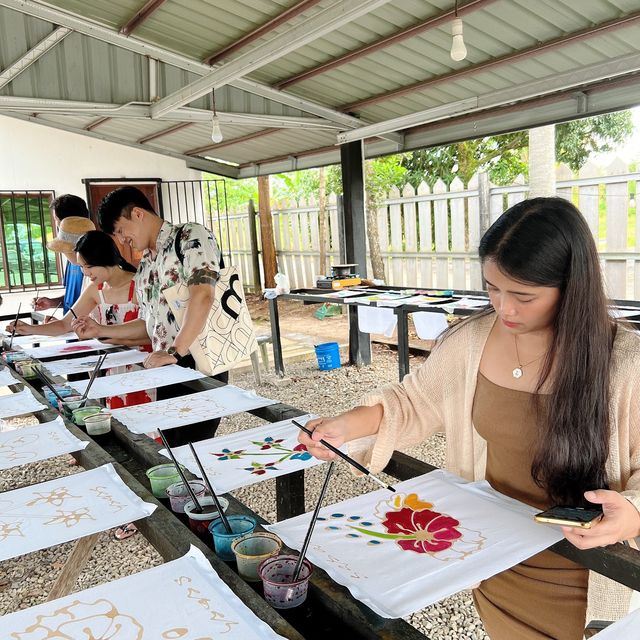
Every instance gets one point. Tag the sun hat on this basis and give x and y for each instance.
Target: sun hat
(71, 229)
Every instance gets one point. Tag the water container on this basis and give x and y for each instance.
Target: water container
(328, 355)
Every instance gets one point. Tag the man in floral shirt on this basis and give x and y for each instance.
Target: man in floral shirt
(127, 214)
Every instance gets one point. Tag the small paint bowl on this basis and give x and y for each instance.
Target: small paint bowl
(253, 549)
(98, 424)
(179, 495)
(52, 399)
(81, 413)
(15, 356)
(276, 574)
(27, 368)
(222, 541)
(199, 522)
(68, 404)
(160, 477)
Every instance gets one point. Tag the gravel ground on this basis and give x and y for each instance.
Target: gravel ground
(25, 581)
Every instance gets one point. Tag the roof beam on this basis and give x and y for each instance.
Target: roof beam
(201, 164)
(430, 23)
(333, 17)
(549, 45)
(45, 45)
(141, 16)
(228, 143)
(545, 86)
(104, 34)
(164, 132)
(276, 21)
(143, 111)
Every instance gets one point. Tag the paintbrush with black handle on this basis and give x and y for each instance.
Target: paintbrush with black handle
(13, 331)
(196, 504)
(94, 373)
(345, 457)
(223, 517)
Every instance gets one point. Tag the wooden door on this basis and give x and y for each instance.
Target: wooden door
(97, 190)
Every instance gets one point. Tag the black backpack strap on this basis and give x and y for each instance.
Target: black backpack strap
(176, 245)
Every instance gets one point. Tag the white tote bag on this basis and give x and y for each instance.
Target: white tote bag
(228, 336)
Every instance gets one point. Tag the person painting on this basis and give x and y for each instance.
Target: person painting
(186, 254)
(62, 207)
(109, 299)
(537, 394)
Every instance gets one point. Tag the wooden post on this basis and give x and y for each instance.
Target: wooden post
(73, 567)
(253, 238)
(269, 261)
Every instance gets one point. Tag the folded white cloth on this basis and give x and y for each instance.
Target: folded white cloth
(377, 320)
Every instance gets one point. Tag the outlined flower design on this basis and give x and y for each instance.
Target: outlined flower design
(267, 447)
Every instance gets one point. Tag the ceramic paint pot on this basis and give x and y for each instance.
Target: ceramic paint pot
(240, 526)
(253, 549)
(199, 522)
(179, 495)
(81, 413)
(160, 477)
(276, 574)
(98, 424)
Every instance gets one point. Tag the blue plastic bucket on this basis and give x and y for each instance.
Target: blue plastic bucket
(328, 355)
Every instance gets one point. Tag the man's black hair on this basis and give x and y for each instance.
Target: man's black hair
(118, 203)
(69, 205)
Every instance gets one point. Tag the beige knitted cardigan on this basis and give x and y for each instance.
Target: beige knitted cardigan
(439, 397)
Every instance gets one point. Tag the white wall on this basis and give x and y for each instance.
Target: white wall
(34, 156)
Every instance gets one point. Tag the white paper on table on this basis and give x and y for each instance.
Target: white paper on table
(22, 341)
(194, 407)
(84, 365)
(429, 325)
(184, 598)
(628, 628)
(140, 380)
(397, 554)
(53, 351)
(37, 442)
(64, 509)
(466, 303)
(6, 377)
(249, 456)
(615, 312)
(377, 320)
(15, 404)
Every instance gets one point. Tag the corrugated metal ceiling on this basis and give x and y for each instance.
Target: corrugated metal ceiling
(511, 43)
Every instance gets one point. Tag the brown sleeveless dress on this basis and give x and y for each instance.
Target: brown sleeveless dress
(546, 595)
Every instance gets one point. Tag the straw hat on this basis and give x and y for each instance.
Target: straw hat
(71, 229)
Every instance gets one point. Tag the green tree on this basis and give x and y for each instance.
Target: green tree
(504, 157)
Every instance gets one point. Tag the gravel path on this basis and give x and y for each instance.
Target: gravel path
(25, 581)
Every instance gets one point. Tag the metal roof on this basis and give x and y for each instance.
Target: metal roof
(293, 79)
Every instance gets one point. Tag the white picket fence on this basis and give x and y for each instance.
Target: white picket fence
(429, 238)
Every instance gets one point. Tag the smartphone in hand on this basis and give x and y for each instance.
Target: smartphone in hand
(583, 517)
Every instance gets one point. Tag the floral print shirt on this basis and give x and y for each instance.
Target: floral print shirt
(200, 265)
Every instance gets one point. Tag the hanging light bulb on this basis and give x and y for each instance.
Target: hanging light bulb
(216, 132)
(458, 50)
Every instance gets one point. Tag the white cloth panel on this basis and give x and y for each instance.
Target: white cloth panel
(377, 320)
(46, 514)
(195, 407)
(184, 598)
(429, 325)
(37, 442)
(60, 350)
(140, 380)
(244, 458)
(86, 365)
(626, 629)
(400, 552)
(6, 377)
(15, 404)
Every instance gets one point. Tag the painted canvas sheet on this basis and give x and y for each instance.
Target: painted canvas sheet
(140, 380)
(400, 552)
(69, 366)
(68, 348)
(183, 599)
(195, 407)
(6, 377)
(37, 442)
(15, 404)
(65, 509)
(23, 341)
(249, 456)
(626, 629)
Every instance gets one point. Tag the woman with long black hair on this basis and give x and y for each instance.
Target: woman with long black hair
(538, 394)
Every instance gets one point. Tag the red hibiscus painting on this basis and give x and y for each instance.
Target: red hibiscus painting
(427, 531)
